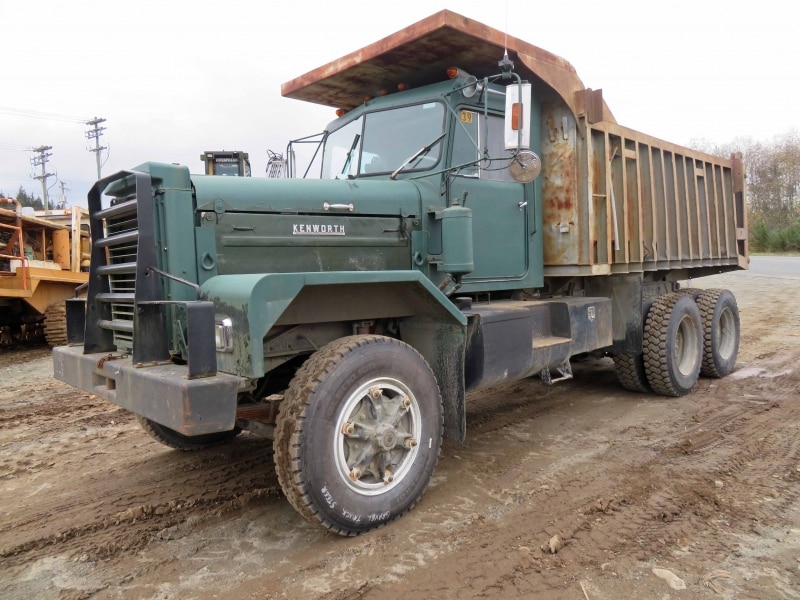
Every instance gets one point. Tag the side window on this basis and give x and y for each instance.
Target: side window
(475, 139)
(466, 145)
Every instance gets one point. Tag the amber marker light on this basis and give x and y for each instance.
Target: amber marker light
(340, 112)
(402, 87)
(516, 116)
(452, 72)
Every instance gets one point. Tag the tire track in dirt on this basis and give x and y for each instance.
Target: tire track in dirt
(663, 497)
(134, 495)
(628, 481)
(498, 495)
(135, 498)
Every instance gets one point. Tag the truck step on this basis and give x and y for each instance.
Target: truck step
(564, 373)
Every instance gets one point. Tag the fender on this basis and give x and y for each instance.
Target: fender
(255, 303)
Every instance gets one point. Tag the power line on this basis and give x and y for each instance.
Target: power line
(34, 114)
(7, 146)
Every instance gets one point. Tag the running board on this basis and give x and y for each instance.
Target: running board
(514, 339)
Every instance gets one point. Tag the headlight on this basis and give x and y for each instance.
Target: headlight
(223, 335)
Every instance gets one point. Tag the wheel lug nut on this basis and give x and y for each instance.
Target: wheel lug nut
(355, 474)
(375, 392)
(348, 428)
(388, 476)
(409, 442)
(406, 402)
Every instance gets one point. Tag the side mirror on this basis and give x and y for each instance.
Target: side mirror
(518, 117)
(525, 166)
(473, 87)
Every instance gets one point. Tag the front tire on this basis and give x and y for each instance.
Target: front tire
(673, 346)
(358, 434)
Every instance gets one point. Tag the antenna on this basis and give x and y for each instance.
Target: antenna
(505, 31)
(506, 65)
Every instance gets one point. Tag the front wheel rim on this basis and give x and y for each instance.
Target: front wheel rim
(377, 435)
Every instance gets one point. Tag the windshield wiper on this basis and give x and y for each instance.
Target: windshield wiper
(416, 155)
(349, 158)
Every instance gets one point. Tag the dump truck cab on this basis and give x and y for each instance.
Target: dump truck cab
(448, 138)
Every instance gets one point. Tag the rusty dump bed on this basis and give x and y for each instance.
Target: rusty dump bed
(614, 200)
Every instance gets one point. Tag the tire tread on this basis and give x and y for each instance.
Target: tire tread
(178, 441)
(291, 421)
(656, 332)
(707, 303)
(630, 372)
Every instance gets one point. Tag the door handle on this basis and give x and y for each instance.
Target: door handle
(326, 206)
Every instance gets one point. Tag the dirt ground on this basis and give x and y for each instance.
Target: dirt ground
(578, 491)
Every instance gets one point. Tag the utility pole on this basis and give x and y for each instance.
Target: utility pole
(41, 161)
(94, 134)
(64, 190)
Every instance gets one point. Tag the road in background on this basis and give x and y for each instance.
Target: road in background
(776, 266)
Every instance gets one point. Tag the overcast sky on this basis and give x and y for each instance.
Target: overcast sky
(173, 77)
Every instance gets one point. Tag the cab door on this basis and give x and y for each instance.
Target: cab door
(500, 206)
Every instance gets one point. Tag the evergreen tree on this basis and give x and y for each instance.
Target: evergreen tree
(26, 199)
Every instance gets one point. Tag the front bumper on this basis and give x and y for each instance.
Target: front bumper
(163, 393)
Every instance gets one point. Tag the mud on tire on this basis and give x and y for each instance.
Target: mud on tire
(358, 434)
(721, 330)
(673, 336)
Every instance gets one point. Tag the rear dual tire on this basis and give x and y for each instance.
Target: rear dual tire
(721, 330)
(673, 349)
(630, 372)
(178, 441)
(686, 334)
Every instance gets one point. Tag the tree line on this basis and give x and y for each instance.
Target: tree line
(773, 188)
(35, 202)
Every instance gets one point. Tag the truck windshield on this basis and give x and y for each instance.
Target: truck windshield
(387, 139)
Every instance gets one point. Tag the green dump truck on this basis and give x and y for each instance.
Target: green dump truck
(479, 217)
